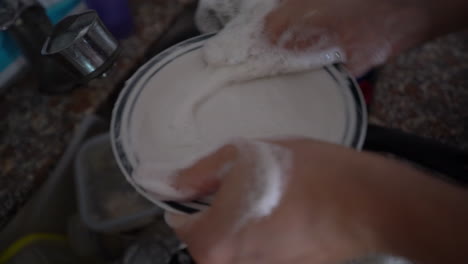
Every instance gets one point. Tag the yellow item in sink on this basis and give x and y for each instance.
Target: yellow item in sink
(26, 241)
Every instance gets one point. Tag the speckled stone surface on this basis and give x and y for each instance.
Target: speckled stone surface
(35, 129)
(425, 91)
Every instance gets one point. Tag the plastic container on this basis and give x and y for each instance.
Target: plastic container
(106, 201)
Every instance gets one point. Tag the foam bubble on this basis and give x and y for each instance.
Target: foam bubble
(243, 47)
(268, 178)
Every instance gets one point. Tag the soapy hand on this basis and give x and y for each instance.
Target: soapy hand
(362, 33)
(369, 32)
(335, 204)
(217, 236)
(241, 47)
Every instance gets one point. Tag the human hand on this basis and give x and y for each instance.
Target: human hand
(369, 32)
(336, 204)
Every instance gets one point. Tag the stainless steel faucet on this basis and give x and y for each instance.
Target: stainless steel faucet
(76, 50)
(83, 44)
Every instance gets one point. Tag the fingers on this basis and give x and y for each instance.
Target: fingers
(315, 29)
(204, 177)
(275, 25)
(199, 180)
(364, 57)
(297, 34)
(241, 198)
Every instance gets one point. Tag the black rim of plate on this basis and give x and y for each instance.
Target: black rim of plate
(122, 103)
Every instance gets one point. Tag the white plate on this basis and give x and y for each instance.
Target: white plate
(347, 93)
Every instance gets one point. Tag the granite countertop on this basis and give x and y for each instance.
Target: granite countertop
(424, 91)
(36, 128)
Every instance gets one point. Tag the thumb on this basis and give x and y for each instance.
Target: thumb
(204, 177)
(196, 181)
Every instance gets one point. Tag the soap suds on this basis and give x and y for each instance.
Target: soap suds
(243, 46)
(241, 52)
(270, 170)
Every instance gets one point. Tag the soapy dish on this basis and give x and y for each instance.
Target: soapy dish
(351, 108)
